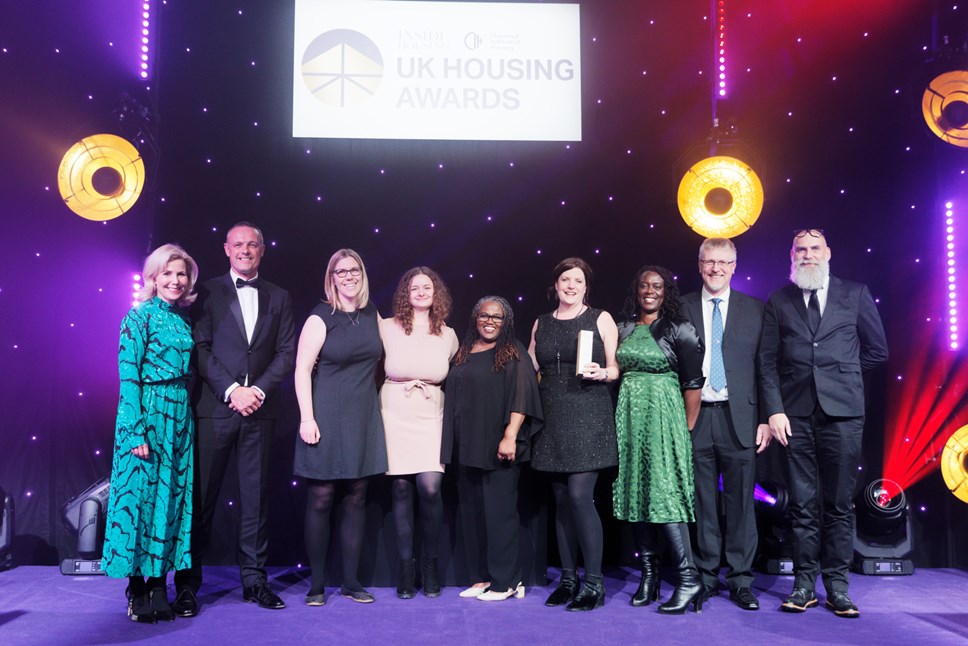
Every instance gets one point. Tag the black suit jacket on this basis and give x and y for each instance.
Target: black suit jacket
(740, 338)
(224, 354)
(799, 369)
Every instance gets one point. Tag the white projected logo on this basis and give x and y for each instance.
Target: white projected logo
(342, 68)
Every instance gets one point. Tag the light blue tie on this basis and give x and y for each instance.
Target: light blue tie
(717, 371)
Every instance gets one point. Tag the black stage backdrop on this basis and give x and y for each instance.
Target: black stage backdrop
(826, 97)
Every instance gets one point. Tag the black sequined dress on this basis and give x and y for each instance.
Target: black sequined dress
(579, 428)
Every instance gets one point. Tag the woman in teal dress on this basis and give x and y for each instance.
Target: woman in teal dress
(660, 357)
(150, 506)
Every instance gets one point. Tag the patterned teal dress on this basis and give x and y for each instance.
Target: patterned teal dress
(150, 506)
(655, 478)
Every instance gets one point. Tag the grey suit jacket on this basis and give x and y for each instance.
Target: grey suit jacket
(799, 369)
(741, 336)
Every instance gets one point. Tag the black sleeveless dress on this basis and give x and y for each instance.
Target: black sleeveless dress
(579, 428)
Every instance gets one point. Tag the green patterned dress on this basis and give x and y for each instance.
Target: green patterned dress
(150, 506)
(655, 478)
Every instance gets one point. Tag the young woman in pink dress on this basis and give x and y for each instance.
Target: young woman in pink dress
(418, 346)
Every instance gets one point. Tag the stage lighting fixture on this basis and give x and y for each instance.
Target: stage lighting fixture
(954, 463)
(6, 530)
(101, 177)
(882, 531)
(84, 514)
(944, 105)
(720, 197)
(775, 551)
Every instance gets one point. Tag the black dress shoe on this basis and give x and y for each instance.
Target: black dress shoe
(186, 604)
(842, 606)
(743, 597)
(262, 595)
(799, 600)
(359, 596)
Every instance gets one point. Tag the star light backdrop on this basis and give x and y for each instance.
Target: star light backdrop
(825, 93)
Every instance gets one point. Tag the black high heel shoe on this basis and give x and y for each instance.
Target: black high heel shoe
(648, 591)
(566, 591)
(158, 599)
(592, 595)
(139, 607)
(689, 589)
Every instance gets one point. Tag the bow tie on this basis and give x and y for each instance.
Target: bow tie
(239, 283)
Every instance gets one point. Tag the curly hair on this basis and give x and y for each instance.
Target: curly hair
(671, 303)
(505, 347)
(439, 311)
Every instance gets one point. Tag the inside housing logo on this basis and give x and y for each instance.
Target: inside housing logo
(342, 68)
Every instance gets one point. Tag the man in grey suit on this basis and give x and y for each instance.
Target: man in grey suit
(727, 435)
(820, 334)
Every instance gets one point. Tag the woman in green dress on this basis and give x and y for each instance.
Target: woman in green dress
(150, 505)
(660, 356)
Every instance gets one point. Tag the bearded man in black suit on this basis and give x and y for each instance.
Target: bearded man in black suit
(820, 335)
(244, 337)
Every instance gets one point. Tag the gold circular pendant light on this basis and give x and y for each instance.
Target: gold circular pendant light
(101, 177)
(944, 105)
(954, 463)
(720, 197)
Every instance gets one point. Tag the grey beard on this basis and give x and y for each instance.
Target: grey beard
(809, 277)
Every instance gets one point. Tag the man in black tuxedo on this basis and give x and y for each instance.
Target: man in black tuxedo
(727, 435)
(820, 334)
(244, 337)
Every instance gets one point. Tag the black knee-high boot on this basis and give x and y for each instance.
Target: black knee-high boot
(645, 539)
(689, 588)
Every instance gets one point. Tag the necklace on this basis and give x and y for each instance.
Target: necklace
(353, 321)
(557, 350)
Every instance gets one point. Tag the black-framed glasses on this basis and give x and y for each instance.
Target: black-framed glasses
(496, 318)
(721, 264)
(815, 233)
(341, 273)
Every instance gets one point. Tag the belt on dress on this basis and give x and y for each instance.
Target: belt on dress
(410, 384)
(719, 404)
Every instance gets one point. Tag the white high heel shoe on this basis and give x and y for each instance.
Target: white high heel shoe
(493, 595)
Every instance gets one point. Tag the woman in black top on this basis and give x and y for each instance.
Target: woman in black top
(490, 411)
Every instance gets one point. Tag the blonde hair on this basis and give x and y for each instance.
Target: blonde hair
(156, 262)
(329, 281)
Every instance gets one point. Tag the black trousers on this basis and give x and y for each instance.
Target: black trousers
(716, 449)
(823, 454)
(250, 440)
(488, 508)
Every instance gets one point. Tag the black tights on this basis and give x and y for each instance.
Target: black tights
(319, 505)
(431, 512)
(576, 521)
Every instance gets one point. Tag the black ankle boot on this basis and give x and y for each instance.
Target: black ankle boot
(689, 588)
(648, 591)
(592, 595)
(566, 591)
(406, 588)
(431, 584)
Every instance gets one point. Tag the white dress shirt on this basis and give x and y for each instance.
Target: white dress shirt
(707, 393)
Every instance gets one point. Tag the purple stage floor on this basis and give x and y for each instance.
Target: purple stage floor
(40, 606)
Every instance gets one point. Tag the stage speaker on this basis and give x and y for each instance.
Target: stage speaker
(6, 530)
(84, 514)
